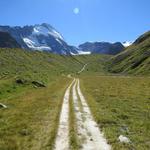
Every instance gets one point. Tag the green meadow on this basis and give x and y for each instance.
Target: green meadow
(119, 103)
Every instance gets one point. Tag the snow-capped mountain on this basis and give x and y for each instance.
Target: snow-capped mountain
(127, 43)
(44, 37)
(33, 41)
(40, 37)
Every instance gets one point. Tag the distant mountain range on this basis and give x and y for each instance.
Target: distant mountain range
(44, 37)
(135, 59)
(102, 47)
(40, 37)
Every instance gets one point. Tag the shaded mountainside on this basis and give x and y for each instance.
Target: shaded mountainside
(102, 47)
(135, 59)
(6, 40)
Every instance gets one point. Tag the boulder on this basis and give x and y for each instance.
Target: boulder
(38, 84)
(2, 105)
(20, 81)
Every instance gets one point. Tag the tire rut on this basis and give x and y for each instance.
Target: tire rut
(88, 133)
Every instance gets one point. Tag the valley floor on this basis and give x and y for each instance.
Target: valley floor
(31, 118)
(105, 108)
(120, 106)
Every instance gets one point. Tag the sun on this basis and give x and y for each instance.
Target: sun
(76, 10)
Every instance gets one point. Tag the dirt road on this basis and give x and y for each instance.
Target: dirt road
(88, 131)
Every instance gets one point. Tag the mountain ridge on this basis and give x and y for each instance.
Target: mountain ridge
(40, 37)
(44, 37)
(102, 47)
(135, 59)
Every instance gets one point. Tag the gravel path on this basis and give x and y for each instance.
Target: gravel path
(93, 137)
(90, 137)
(62, 138)
(82, 68)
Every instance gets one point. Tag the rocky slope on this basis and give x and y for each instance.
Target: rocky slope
(6, 40)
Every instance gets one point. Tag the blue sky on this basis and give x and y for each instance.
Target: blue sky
(82, 20)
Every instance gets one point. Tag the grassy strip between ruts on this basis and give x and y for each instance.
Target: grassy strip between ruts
(31, 119)
(120, 105)
(74, 143)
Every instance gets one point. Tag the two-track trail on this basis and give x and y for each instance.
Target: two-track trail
(88, 133)
(62, 139)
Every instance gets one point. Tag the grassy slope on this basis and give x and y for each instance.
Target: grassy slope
(41, 65)
(135, 59)
(95, 64)
(35, 65)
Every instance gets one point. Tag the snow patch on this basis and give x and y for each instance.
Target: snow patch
(127, 43)
(33, 43)
(84, 52)
(80, 53)
(42, 30)
(58, 41)
(73, 54)
(55, 33)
